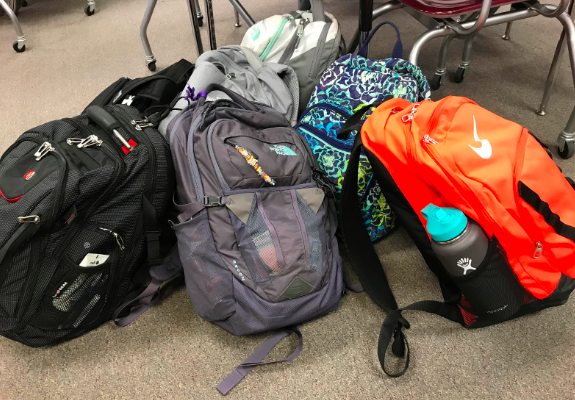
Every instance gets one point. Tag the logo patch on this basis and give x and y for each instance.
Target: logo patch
(485, 150)
(29, 175)
(255, 33)
(283, 150)
(465, 263)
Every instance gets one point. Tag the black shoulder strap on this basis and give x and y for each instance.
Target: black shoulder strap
(368, 268)
(363, 257)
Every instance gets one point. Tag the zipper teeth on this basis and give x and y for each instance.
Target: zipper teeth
(274, 39)
(326, 138)
(223, 184)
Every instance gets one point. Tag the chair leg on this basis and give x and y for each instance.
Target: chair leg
(555, 65)
(211, 25)
(423, 39)
(90, 8)
(507, 34)
(239, 8)
(465, 59)
(199, 13)
(237, 17)
(365, 19)
(20, 44)
(193, 10)
(566, 139)
(150, 59)
(387, 7)
(442, 63)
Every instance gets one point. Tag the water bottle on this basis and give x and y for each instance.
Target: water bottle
(478, 267)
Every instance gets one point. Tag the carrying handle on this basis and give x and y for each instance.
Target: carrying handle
(354, 123)
(317, 10)
(233, 95)
(397, 48)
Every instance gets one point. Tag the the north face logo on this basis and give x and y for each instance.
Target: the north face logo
(283, 150)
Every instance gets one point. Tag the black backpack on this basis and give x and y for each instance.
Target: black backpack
(80, 203)
(151, 95)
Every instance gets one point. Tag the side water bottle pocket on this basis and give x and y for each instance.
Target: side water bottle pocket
(491, 288)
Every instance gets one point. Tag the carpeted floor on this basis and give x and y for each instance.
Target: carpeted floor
(170, 353)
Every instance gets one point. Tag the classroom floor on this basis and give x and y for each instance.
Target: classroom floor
(170, 353)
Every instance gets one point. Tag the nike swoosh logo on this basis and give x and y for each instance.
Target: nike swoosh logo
(485, 150)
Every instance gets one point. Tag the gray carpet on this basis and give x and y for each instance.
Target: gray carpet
(170, 353)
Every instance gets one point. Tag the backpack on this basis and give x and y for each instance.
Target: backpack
(257, 222)
(151, 95)
(349, 84)
(239, 69)
(307, 41)
(453, 153)
(80, 221)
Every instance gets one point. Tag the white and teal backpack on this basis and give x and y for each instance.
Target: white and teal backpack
(307, 41)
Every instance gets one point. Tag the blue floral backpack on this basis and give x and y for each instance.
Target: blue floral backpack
(349, 85)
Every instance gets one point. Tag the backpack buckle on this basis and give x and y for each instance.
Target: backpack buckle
(213, 201)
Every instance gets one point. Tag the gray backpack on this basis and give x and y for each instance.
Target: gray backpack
(308, 41)
(257, 222)
(240, 70)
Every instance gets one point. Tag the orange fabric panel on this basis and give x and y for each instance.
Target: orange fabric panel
(455, 153)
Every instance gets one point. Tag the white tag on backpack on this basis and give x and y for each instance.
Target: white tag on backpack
(93, 260)
(128, 101)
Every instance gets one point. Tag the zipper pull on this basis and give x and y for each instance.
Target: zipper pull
(538, 250)
(116, 235)
(44, 149)
(408, 117)
(73, 141)
(141, 123)
(231, 75)
(429, 140)
(29, 219)
(90, 141)
(299, 31)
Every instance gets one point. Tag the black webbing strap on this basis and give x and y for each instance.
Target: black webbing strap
(354, 122)
(543, 208)
(152, 233)
(363, 257)
(368, 268)
(392, 328)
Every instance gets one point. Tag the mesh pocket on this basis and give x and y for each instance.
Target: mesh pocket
(264, 246)
(492, 290)
(312, 222)
(208, 280)
(73, 296)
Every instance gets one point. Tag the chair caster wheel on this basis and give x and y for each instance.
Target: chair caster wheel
(568, 148)
(459, 75)
(200, 20)
(435, 82)
(17, 48)
(152, 66)
(89, 11)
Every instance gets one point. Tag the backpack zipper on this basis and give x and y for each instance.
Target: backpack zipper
(116, 235)
(274, 38)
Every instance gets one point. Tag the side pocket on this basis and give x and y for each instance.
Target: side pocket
(208, 280)
(492, 289)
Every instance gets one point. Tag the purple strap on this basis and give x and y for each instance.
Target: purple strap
(139, 305)
(257, 356)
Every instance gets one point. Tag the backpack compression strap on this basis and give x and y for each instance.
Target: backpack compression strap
(368, 268)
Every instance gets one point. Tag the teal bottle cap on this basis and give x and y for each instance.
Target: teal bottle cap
(444, 223)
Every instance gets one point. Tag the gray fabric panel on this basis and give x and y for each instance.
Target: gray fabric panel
(241, 205)
(313, 197)
(297, 288)
(319, 51)
(254, 314)
(208, 280)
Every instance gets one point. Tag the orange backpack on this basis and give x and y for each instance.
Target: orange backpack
(453, 153)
